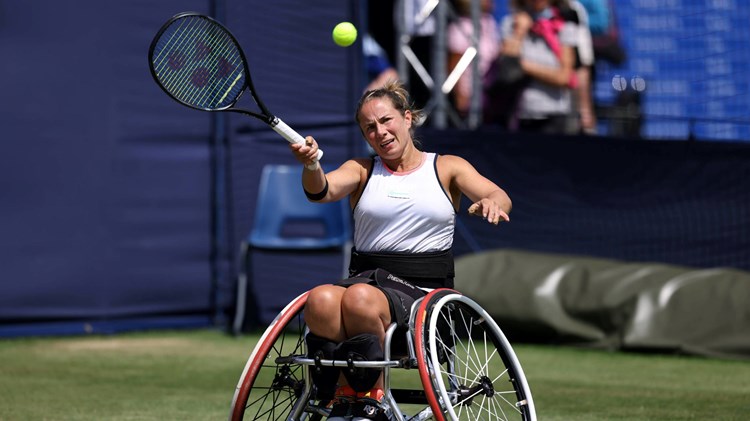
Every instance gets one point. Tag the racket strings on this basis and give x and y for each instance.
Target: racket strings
(194, 82)
(199, 63)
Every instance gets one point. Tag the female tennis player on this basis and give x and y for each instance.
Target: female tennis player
(404, 203)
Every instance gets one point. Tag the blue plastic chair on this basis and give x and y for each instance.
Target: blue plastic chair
(286, 221)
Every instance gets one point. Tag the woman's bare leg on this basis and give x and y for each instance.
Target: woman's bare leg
(323, 312)
(365, 309)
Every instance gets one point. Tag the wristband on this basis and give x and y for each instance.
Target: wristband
(317, 196)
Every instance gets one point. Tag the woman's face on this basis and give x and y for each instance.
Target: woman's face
(384, 128)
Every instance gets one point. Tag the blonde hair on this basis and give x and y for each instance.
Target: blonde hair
(400, 99)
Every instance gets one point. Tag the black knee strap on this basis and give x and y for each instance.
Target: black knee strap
(363, 347)
(324, 378)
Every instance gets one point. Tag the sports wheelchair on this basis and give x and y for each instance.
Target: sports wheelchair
(467, 368)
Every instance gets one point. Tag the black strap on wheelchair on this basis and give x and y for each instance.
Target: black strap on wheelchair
(324, 378)
(362, 347)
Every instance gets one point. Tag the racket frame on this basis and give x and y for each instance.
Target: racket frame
(265, 115)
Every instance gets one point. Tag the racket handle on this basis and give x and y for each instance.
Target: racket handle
(291, 136)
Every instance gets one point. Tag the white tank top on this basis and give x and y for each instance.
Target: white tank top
(404, 211)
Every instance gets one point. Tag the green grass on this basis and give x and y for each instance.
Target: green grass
(192, 375)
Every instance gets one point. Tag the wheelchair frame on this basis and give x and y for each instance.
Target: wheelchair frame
(444, 327)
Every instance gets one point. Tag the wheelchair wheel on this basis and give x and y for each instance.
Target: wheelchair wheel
(468, 368)
(268, 389)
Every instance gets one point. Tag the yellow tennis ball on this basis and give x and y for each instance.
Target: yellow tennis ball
(344, 34)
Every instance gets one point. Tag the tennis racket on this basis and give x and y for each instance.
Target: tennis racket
(200, 64)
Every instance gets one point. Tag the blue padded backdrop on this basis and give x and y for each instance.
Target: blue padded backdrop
(115, 199)
(121, 209)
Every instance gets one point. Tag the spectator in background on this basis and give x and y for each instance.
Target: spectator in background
(584, 117)
(535, 32)
(419, 24)
(598, 15)
(605, 33)
(459, 39)
(385, 18)
(623, 116)
(379, 68)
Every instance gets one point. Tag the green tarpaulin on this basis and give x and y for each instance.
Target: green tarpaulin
(611, 304)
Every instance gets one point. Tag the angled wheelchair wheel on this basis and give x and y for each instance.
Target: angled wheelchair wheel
(270, 387)
(467, 366)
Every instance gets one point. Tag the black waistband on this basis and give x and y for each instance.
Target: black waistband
(433, 267)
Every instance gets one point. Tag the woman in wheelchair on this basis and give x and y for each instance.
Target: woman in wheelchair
(404, 203)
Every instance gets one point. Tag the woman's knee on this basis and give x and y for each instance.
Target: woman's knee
(324, 299)
(364, 300)
(323, 312)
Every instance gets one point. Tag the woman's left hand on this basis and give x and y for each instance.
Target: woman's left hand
(489, 211)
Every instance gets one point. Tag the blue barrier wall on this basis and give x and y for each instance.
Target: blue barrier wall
(115, 205)
(123, 210)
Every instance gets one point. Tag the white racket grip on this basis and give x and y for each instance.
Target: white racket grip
(293, 137)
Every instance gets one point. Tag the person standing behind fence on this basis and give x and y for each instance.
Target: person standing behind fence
(459, 39)
(536, 32)
(379, 68)
(584, 117)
